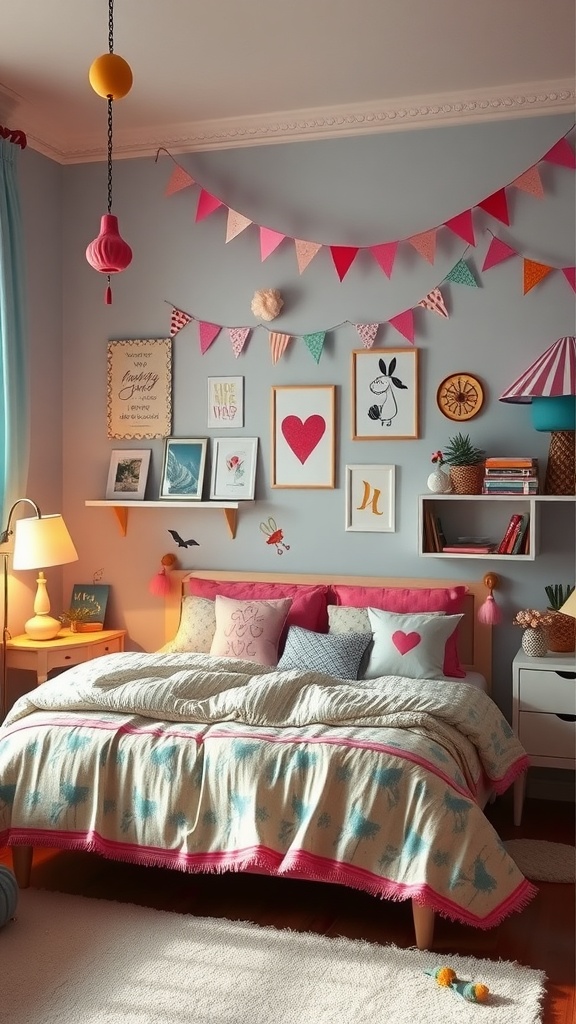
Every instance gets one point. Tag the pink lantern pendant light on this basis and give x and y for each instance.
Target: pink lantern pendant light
(111, 77)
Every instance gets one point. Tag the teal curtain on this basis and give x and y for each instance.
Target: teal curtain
(14, 410)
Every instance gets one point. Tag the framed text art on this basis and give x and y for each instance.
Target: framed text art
(128, 473)
(385, 394)
(233, 468)
(87, 609)
(371, 499)
(183, 468)
(225, 402)
(303, 435)
(140, 388)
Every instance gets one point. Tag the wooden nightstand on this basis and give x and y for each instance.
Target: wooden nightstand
(544, 714)
(40, 656)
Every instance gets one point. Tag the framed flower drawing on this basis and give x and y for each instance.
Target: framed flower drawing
(233, 468)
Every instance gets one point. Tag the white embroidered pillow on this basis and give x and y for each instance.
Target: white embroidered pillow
(408, 645)
(196, 629)
(249, 629)
(343, 619)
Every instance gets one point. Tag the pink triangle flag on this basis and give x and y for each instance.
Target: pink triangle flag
(561, 153)
(385, 254)
(435, 302)
(530, 181)
(425, 244)
(206, 205)
(343, 256)
(498, 251)
(178, 320)
(278, 344)
(179, 179)
(305, 252)
(238, 336)
(367, 333)
(208, 332)
(497, 206)
(462, 226)
(570, 275)
(269, 241)
(235, 224)
(404, 324)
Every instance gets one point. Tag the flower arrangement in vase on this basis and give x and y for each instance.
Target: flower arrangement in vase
(534, 624)
(438, 482)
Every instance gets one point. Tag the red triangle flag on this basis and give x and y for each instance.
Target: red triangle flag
(208, 332)
(404, 323)
(498, 251)
(269, 240)
(385, 254)
(462, 225)
(497, 206)
(561, 153)
(206, 205)
(570, 275)
(343, 256)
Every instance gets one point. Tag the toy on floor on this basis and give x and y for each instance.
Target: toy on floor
(472, 991)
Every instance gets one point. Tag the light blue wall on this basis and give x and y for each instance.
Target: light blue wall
(349, 191)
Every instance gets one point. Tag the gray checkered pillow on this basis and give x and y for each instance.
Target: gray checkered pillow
(337, 655)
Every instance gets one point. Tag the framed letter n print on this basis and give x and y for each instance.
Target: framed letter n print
(303, 435)
(371, 499)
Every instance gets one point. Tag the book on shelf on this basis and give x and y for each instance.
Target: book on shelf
(526, 485)
(434, 538)
(519, 535)
(509, 533)
(511, 462)
(469, 549)
(513, 473)
(515, 535)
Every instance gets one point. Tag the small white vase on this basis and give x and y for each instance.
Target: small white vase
(439, 482)
(534, 642)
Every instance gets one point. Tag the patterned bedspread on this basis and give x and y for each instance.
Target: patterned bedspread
(203, 764)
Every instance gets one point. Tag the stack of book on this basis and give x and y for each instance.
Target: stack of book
(510, 475)
(516, 535)
(434, 539)
(471, 546)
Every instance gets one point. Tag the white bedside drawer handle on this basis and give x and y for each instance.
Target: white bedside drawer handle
(566, 675)
(567, 718)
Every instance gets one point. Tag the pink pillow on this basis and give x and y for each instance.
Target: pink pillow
(309, 603)
(416, 599)
(249, 629)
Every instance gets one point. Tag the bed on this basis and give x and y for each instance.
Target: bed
(326, 728)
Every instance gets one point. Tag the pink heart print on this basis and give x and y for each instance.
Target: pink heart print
(405, 642)
(302, 437)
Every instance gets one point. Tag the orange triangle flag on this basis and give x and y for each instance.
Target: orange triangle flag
(530, 182)
(305, 252)
(425, 244)
(534, 273)
(180, 179)
(235, 224)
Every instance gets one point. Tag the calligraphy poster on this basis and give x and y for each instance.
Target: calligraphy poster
(140, 388)
(225, 402)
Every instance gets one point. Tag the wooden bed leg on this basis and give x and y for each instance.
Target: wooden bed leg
(22, 864)
(423, 925)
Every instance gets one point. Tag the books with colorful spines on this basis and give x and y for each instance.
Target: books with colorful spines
(432, 544)
(516, 542)
(509, 462)
(469, 549)
(528, 485)
(439, 532)
(503, 473)
(510, 529)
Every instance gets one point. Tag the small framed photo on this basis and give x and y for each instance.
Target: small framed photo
(234, 468)
(303, 448)
(225, 402)
(183, 468)
(87, 610)
(385, 394)
(371, 499)
(128, 473)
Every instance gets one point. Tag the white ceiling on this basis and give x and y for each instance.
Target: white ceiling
(222, 73)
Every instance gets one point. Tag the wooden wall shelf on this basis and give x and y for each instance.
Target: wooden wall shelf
(121, 508)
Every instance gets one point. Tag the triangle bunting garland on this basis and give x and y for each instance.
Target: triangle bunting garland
(404, 324)
(178, 320)
(367, 333)
(385, 255)
(461, 274)
(498, 251)
(269, 240)
(305, 253)
(425, 244)
(315, 343)
(206, 205)
(343, 256)
(238, 337)
(462, 226)
(207, 333)
(278, 345)
(434, 301)
(530, 182)
(180, 179)
(235, 224)
(534, 273)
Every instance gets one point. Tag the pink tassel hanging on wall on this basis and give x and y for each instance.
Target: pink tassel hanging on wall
(489, 613)
(160, 585)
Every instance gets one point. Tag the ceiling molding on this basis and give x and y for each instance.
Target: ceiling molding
(410, 113)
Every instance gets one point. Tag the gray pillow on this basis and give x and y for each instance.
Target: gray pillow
(334, 654)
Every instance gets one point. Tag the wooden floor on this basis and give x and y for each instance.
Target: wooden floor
(542, 936)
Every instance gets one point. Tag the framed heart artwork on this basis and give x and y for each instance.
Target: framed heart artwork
(303, 450)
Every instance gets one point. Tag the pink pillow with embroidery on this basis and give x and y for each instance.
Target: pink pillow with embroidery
(309, 603)
(404, 600)
(249, 630)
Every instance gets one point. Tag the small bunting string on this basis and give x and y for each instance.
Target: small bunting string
(533, 271)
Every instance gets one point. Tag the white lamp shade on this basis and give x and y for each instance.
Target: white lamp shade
(569, 606)
(41, 542)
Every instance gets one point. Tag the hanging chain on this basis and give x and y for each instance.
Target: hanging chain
(111, 26)
(110, 101)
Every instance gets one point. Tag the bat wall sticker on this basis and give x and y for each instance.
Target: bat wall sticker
(183, 543)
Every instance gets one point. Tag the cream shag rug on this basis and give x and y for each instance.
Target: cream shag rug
(69, 959)
(541, 861)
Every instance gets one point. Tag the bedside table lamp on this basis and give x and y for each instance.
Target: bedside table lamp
(549, 384)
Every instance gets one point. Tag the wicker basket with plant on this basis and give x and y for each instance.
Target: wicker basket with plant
(466, 463)
(561, 631)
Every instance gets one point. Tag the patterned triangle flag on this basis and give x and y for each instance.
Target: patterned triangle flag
(278, 344)
(404, 324)
(461, 274)
(315, 343)
(367, 333)
(530, 182)
(561, 153)
(208, 332)
(534, 273)
(343, 257)
(497, 206)
(305, 252)
(425, 244)
(385, 254)
(178, 320)
(498, 251)
(570, 275)
(435, 302)
(180, 179)
(238, 337)
(206, 205)
(462, 226)
(269, 241)
(235, 224)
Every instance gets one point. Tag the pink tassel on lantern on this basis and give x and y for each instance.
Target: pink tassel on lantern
(489, 613)
(160, 585)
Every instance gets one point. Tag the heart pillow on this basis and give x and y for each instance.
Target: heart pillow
(408, 645)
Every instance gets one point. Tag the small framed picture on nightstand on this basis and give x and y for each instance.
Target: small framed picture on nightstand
(87, 610)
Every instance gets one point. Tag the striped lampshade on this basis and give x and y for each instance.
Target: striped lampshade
(551, 375)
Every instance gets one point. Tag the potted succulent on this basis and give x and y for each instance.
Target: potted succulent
(74, 617)
(466, 463)
(561, 630)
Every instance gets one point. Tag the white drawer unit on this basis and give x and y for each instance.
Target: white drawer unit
(544, 714)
